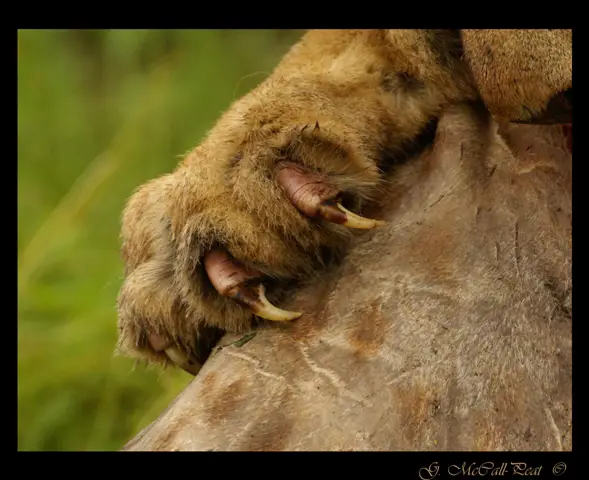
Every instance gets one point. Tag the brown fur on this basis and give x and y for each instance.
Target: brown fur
(518, 72)
(364, 97)
(410, 351)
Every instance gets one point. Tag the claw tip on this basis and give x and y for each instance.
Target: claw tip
(356, 221)
(270, 312)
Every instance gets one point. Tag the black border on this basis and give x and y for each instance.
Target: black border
(395, 465)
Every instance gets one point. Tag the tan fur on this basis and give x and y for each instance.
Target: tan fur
(518, 72)
(338, 102)
(447, 329)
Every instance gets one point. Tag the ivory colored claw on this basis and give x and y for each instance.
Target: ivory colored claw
(233, 280)
(182, 360)
(270, 312)
(356, 221)
(313, 196)
(333, 211)
(254, 299)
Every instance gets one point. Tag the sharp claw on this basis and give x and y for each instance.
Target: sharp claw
(179, 358)
(335, 212)
(233, 280)
(313, 196)
(270, 312)
(182, 360)
(356, 221)
(254, 299)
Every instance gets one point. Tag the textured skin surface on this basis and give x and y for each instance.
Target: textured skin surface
(449, 328)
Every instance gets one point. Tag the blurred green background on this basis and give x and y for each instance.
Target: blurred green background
(99, 113)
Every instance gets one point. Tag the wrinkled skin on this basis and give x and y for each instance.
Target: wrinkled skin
(448, 328)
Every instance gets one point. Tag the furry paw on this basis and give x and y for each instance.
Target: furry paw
(275, 189)
(219, 240)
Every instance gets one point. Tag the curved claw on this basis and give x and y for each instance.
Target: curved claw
(269, 311)
(182, 360)
(254, 299)
(356, 221)
(178, 357)
(233, 280)
(335, 212)
(312, 195)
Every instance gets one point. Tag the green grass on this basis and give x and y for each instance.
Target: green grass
(99, 113)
